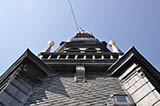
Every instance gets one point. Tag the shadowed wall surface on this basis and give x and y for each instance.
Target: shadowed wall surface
(61, 90)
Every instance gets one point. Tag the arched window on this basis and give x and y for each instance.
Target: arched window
(74, 50)
(91, 50)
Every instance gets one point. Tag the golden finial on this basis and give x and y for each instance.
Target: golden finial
(51, 43)
(112, 42)
(82, 32)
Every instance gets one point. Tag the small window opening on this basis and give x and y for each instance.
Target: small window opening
(62, 56)
(82, 51)
(73, 50)
(91, 50)
(122, 100)
(80, 56)
(71, 56)
(107, 56)
(98, 56)
(89, 56)
(54, 57)
(99, 51)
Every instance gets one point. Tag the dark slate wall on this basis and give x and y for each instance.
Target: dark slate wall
(62, 90)
(20, 84)
(16, 93)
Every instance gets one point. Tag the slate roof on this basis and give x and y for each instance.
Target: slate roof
(61, 89)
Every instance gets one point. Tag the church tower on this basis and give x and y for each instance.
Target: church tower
(81, 72)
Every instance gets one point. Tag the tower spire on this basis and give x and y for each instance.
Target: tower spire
(74, 17)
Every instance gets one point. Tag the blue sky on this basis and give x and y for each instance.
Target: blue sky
(31, 23)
